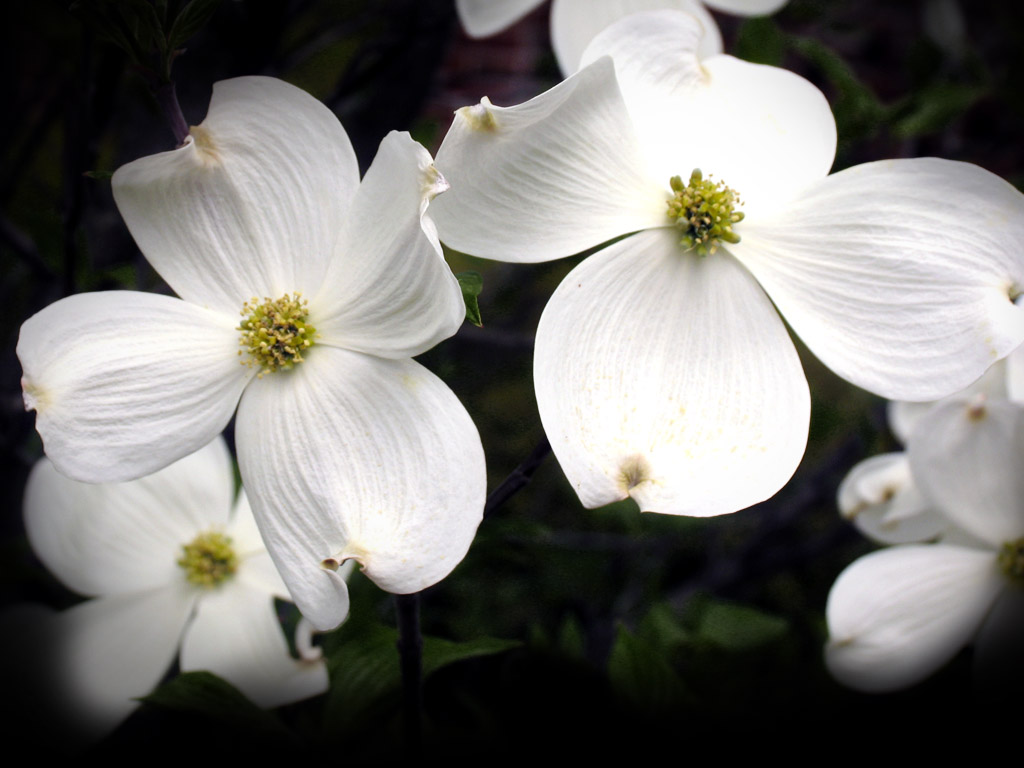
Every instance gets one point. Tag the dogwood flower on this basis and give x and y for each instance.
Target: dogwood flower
(304, 294)
(897, 615)
(574, 23)
(171, 560)
(662, 369)
(879, 494)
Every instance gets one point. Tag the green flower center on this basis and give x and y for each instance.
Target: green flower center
(1011, 561)
(209, 559)
(705, 211)
(275, 332)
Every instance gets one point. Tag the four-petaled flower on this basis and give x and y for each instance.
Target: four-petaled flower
(304, 294)
(172, 559)
(662, 369)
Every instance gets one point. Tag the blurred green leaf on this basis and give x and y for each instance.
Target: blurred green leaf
(857, 110)
(366, 678)
(192, 18)
(472, 284)
(641, 673)
(739, 627)
(99, 175)
(761, 41)
(933, 108)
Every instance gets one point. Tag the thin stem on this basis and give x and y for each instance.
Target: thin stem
(167, 96)
(518, 478)
(410, 654)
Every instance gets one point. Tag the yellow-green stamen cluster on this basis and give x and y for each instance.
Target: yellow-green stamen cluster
(275, 332)
(705, 210)
(209, 559)
(1011, 560)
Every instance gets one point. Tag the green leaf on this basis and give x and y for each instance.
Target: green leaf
(438, 652)
(192, 18)
(472, 284)
(99, 175)
(857, 110)
(761, 41)
(366, 678)
(933, 108)
(642, 674)
(738, 627)
(205, 694)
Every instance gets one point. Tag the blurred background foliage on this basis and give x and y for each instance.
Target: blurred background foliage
(591, 631)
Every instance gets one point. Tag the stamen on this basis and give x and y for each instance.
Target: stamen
(705, 211)
(1011, 561)
(209, 559)
(275, 333)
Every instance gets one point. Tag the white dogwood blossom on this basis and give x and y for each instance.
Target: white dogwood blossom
(574, 23)
(304, 294)
(171, 560)
(879, 494)
(897, 615)
(662, 369)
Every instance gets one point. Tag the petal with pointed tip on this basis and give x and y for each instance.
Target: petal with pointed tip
(351, 457)
(114, 649)
(670, 378)
(548, 178)
(897, 615)
(388, 291)
(879, 495)
(124, 383)
(871, 274)
(966, 458)
(251, 204)
(236, 635)
(765, 132)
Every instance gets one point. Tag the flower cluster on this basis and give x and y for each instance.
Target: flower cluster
(954, 571)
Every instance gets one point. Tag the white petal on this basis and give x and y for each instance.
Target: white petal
(483, 18)
(388, 291)
(354, 457)
(574, 23)
(236, 635)
(124, 383)
(904, 415)
(747, 7)
(879, 495)
(126, 537)
(548, 178)
(966, 456)
(255, 568)
(873, 270)
(251, 204)
(669, 378)
(115, 649)
(897, 615)
(764, 131)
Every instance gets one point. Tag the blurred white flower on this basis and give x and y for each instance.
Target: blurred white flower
(173, 559)
(574, 23)
(879, 494)
(662, 369)
(897, 615)
(323, 288)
